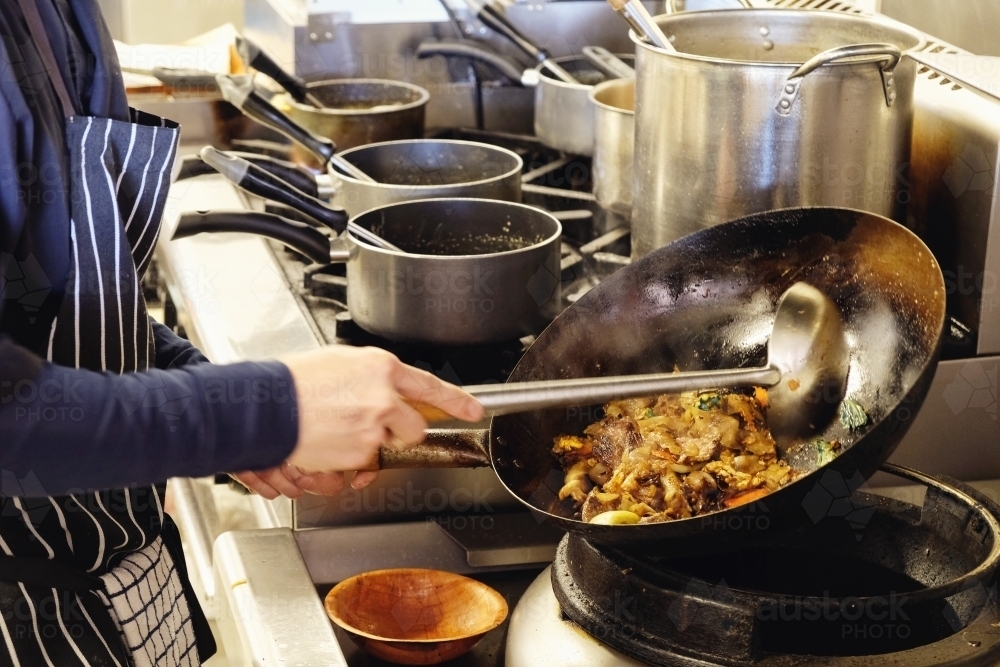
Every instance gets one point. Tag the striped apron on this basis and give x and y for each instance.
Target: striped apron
(97, 578)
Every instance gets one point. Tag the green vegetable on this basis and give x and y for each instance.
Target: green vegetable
(649, 413)
(852, 415)
(708, 401)
(825, 451)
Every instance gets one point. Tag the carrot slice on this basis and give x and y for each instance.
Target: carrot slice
(746, 497)
(761, 395)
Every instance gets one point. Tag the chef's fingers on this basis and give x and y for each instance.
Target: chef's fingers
(280, 482)
(363, 479)
(405, 426)
(255, 484)
(316, 483)
(420, 385)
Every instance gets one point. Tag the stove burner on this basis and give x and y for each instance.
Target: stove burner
(915, 580)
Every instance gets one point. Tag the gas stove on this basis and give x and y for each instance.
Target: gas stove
(897, 583)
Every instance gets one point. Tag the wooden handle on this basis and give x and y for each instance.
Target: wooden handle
(618, 4)
(429, 412)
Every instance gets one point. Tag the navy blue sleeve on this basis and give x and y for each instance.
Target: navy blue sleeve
(172, 351)
(77, 430)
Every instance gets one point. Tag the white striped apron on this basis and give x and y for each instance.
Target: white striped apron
(88, 578)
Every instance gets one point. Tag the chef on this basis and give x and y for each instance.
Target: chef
(98, 404)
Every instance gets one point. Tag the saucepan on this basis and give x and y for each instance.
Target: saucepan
(708, 301)
(470, 271)
(350, 112)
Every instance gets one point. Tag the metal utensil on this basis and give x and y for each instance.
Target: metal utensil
(489, 15)
(806, 374)
(239, 92)
(612, 66)
(642, 23)
(257, 181)
(258, 59)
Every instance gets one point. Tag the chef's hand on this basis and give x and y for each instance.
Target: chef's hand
(350, 403)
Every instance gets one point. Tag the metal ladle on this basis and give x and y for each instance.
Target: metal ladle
(806, 375)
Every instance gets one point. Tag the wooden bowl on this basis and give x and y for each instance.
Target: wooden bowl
(415, 617)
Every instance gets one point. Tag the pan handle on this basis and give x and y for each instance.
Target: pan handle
(238, 91)
(256, 58)
(610, 64)
(496, 21)
(294, 175)
(451, 48)
(310, 241)
(442, 448)
(257, 181)
(890, 53)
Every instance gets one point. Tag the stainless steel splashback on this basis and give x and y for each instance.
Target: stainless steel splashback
(952, 185)
(323, 44)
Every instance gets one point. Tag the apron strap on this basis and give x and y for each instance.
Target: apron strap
(47, 573)
(41, 38)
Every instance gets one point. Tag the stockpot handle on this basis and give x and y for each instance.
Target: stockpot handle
(891, 55)
(671, 6)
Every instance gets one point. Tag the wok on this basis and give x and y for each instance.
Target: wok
(707, 301)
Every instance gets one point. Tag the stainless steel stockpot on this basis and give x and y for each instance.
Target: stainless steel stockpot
(614, 145)
(762, 109)
(473, 271)
(427, 169)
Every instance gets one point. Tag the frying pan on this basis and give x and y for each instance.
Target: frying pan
(707, 301)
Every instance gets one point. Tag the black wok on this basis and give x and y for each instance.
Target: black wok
(707, 301)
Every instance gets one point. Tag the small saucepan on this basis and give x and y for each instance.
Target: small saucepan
(472, 271)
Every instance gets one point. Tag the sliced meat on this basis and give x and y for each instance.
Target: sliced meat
(612, 439)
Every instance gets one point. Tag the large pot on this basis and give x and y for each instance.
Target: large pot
(564, 115)
(731, 125)
(361, 111)
(614, 145)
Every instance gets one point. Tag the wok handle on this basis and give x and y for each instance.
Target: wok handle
(311, 242)
(497, 22)
(442, 448)
(891, 55)
(257, 181)
(256, 58)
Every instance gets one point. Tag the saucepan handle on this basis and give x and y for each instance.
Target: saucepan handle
(890, 53)
(257, 58)
(257, 181)
(311, 242)
(296, 176)
(238, 91)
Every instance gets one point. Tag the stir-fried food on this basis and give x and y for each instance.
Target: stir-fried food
(671, 457)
